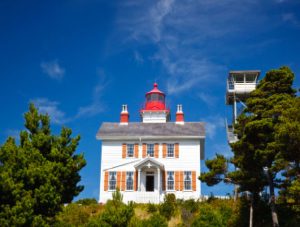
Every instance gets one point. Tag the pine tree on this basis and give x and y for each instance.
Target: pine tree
(259, 154)
(38, 175)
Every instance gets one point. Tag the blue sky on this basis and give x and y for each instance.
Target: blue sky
(80, 60)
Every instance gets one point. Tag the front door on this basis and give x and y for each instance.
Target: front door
(149, 183)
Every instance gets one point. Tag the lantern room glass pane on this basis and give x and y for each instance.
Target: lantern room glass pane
(148, 98)
(154, 97)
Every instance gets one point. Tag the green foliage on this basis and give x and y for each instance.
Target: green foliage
(217, 170)
(190, 205)
(168, 207)
(151, 208)
(38, 175)
(214, 213)
(116, 213)
(155, 220)
(87, 201)
(76, 214)
(269, 142)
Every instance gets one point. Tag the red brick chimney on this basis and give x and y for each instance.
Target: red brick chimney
(124, 118)
(179, 115)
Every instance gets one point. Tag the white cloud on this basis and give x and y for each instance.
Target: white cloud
(179, 31)
(138, 57)
(212, 124)
(51, 108)
(58, 116)
(96, 106)
(290, 18)
(208, 99)
(53, 69)
(223, 149)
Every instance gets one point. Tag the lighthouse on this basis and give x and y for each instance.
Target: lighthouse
(155, 110)
(148, 159)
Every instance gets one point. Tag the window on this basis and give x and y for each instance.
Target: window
(170, 150)
(154, 97)
(130, 149)
(150, 150)
(112, 180)
(129, 181)
(250, 78)
(187, 180)
(161, 98)
(239, 78)
(170, 180)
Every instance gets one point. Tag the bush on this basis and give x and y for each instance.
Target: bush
(168, 207)
(87, 201)
(116, 213)
(156, 220)
(208, 217)
(190, 205)
(151, 208)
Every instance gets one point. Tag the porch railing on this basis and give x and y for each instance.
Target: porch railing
(148, 197)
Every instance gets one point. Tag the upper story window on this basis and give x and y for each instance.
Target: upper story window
(187, 180)
(170, 150)
(130, 150)
(150, 150)
(170, 180)
(129, 181)
(112, 180)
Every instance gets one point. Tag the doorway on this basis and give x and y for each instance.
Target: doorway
(149, 183)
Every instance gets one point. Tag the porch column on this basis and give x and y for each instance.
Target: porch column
(139, 179)
(158, 182)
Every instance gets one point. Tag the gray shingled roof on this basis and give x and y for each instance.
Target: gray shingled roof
(138, 129)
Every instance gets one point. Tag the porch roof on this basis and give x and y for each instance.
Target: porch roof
(149, 162)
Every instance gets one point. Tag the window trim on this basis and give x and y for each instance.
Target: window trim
(184, 180)
(167, 179)
(173, 145)
(127, 146)
(132, 176)
(109, 180)
(148, 146)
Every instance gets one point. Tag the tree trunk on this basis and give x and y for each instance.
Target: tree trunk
(251, 212)
(236, 195)
(272, 201)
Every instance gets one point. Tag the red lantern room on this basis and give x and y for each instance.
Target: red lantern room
(155, 110)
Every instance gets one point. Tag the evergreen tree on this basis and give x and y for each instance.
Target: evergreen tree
(259, 154)
(38, 175)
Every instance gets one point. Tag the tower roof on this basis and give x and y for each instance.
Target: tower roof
(155, 90)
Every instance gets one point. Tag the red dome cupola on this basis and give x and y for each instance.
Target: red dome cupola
(155, 99)
(155, 109)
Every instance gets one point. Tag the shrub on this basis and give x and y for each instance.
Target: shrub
(87, 201)
(151, 208)
(190, 205)
(156, 220)
(168, 207)
(116, 213)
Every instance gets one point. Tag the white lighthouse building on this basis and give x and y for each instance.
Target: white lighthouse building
(151, 158)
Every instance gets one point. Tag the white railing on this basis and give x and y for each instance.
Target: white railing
(148, 197)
